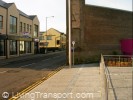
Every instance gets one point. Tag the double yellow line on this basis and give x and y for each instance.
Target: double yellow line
(17, 96)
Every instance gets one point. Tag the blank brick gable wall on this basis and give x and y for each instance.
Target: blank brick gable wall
(98, 30)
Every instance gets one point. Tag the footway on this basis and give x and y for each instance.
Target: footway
(81, 82)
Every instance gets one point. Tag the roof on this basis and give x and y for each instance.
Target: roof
(4, 4)
(7, 5)
(32, 16)
(23, 14)
(56, 30)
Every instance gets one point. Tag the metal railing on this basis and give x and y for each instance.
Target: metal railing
(105, 78)
(112, 60)
(118, 60)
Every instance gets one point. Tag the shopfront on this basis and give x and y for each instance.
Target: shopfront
(25, 47)
(36, 45)
(2, 45)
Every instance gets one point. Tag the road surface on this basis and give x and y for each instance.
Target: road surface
(19, 74)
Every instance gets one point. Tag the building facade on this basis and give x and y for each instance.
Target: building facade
(18, 32)
(52, 40)
(97, 30)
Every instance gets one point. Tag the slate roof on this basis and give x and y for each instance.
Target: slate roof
(7, 5)
(4, 4)
(23, 14)
(32, 16)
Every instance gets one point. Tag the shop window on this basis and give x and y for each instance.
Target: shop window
(1, 22)
(13, 47)
(13, 24)
(2, 48)
(22, 47)
(25, 47)
(28, 47)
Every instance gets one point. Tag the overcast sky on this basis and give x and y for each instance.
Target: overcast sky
(57, 8)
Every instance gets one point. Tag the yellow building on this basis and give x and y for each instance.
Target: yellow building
(52, 40)
(18, 31)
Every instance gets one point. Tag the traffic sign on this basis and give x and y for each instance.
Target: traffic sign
(73, 42)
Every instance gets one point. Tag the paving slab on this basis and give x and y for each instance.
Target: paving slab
(120, 86)
(77, 83)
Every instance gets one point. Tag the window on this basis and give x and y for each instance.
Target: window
(22, 47)
(35, 30)
(13, 47)
(49, 37)
(1, 22)
(27, 27)
(13, 24)
(58, 42)
(25, 47)
(20, 27)
(41, 37)
(24, 27)
(30, 29)
(28, 47)
(2, 48)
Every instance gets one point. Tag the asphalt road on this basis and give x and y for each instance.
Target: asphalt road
(19, 74)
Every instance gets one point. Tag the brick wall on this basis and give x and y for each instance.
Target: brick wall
(97, 30)
(103, 30)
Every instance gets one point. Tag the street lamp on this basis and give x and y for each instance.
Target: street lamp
(46, 33)
(69, 32)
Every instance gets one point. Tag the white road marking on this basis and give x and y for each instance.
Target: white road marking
(26, 65)
(51, 58)
(46, 59)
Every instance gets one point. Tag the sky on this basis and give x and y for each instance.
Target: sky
(57, 8)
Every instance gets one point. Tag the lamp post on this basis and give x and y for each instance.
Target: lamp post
(46, 33)
(69, 32)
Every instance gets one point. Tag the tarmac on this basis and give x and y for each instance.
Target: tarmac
(81, 82)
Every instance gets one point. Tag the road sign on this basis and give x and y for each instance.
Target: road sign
(73, 42)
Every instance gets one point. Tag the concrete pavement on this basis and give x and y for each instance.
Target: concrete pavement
(120, 85)
(81, 82)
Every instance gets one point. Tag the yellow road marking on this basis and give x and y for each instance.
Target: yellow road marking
(17, 96)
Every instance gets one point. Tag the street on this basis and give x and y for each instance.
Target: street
(17, 75)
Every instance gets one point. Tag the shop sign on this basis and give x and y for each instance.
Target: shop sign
(37, 40)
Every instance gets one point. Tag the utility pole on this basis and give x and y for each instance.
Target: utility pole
(69, 19)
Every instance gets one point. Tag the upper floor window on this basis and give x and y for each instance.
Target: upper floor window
(20, 27)
(1, 22)
(24, 27)
(27, 27)
(35, 30)
(13, 24)
(30, 29)
(49, 37)
(41, 37)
